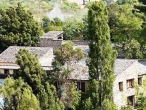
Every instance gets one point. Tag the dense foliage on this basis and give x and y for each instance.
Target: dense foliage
(73, 29)
(33, 74)
(18, 28)
(38, 7)
(51, 25)
(33, 89)
(69, 6)
(62, 64)
(101, 56)
(18, 95)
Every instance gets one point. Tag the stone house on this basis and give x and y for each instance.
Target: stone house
(8, 60)
(129, 74)
(52, 39)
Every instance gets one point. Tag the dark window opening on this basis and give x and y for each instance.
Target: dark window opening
(59, 37)
(6, 71)
(58, 84)
(121, 86)
(131, 100)
(81, 86)
(140, 80)
(83, 2)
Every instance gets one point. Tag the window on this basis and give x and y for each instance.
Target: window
(139, 80)
(81, 86)
(121, 86)
(130, 83)
(131, 100)
(83, 2)
(6, 71)
(59, 37)
(58, 84)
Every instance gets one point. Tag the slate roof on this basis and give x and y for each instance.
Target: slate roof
(122, 64)
(52, 35)
(81, 70)
(142, 67)
(8, 55)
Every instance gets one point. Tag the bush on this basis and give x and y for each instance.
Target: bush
(69, 6)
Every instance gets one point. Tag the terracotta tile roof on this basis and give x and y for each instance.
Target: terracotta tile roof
(8, 56)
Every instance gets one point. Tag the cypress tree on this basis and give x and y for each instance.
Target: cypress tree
(33, 74)
(101, 56)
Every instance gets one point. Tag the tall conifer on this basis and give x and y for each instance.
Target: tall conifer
(33, 74)
(101, 55)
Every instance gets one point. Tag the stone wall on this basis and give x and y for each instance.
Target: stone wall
(80, 42)
(2, 71)
(45, 42)
(120, 97)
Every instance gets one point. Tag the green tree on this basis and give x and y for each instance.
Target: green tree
(18, 95)
(101, 56)
(109, 1)
(141, 103)
(128, 107)
(140, 11)
(69, 6)
(45, 23)
(62, 65)
(87, 105)
(131, 49)
(123, 23)
(38, 8)
(121, 2)
(18, 28)
(85, 27)
(73, 29)
(52, 25)
(56, 25)
(32, 73)
(92, 101)
(67, 53)
(125, 30)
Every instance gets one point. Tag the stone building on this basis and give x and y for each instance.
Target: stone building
(52, 39)
(129, 74)
(8, 60)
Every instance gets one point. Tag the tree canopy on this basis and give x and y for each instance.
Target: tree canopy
(33, 74)
(101, 56)
(18, 95)
(18, 28)
(62, 65)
